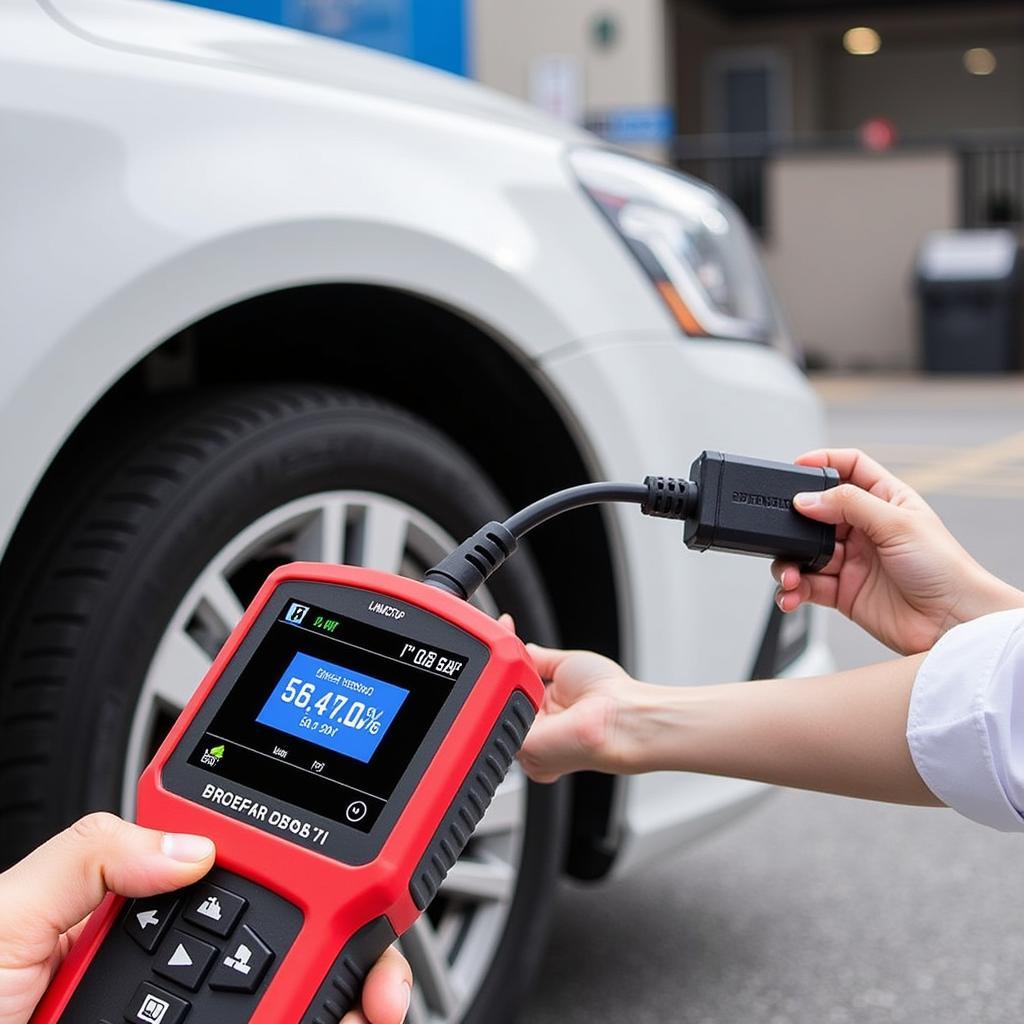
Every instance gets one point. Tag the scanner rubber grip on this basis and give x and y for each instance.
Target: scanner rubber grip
(340, 990)
(473, 799)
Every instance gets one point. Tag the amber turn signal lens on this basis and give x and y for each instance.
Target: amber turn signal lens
(680, 310)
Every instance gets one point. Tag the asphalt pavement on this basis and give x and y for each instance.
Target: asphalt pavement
(819, 910)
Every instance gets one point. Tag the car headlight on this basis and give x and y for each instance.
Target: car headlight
(692, 242)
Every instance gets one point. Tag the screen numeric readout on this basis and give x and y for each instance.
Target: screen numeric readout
(333, 706)
(432, 659)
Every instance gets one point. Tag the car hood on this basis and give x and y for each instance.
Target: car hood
(178, 31)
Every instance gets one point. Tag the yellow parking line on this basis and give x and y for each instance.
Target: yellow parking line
(845, 390)
(1005, 483)
(1005, 478)
(972, 463)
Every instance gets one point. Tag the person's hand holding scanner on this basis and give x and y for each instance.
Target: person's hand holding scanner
(897, 571)
(582, 725)
(45, 899)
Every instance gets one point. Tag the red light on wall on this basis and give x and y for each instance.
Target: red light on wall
(877, 134)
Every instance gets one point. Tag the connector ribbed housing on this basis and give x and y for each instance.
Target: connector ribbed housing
(471, 564)
(668, 497)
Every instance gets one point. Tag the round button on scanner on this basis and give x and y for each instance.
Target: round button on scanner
(356, 811)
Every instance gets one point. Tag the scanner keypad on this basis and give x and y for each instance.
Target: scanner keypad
(200, 954)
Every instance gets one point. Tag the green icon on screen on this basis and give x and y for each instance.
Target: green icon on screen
(212, 755)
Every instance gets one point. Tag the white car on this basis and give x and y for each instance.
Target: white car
(266, 297)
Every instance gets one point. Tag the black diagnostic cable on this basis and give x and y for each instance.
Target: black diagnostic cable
(572, 497)
(730, 503)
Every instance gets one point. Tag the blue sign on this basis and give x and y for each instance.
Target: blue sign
(333, 706)
(430, 31)
(634, 124)
(380, 24)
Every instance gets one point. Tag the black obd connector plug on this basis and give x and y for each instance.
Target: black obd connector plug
(746, 506)
(730, 503)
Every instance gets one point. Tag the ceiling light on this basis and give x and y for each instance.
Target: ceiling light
(861, 41)
(980, 61)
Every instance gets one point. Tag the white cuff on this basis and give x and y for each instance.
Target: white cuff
(966, 723)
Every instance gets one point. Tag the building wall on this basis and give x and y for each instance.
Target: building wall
(831, 90)
(926, 88)
(846, 231)
(509, 39)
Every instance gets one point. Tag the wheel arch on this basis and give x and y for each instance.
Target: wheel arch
(455, 373)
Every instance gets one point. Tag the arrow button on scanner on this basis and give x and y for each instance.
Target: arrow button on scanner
(146, 920)
(185, 959)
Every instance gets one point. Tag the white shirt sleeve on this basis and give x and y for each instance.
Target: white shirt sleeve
(966, 721)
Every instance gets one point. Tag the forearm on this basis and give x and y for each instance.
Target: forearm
(982, 594)
(844, 733)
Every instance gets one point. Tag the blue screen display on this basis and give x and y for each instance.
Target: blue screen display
(340, 709)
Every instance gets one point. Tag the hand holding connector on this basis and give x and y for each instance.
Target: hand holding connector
(897, 571)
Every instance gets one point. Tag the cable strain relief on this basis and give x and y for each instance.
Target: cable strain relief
(472, 563)
(669, 497)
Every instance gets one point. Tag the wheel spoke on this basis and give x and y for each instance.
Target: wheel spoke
(177, 669)
(222, 600)
(322, 538)
(386, 529)
(430, 968)
(481, 880)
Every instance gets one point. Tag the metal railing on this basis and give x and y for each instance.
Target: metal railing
(992, 182)
(991, 170)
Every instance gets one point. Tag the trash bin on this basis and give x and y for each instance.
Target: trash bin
(970, 286)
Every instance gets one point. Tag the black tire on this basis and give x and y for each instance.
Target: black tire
(100, 575)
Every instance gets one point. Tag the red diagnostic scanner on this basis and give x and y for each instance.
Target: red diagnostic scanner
(340, 752)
